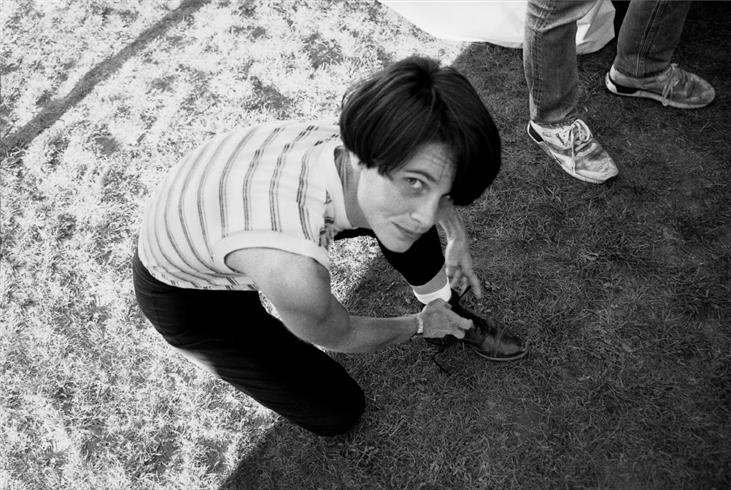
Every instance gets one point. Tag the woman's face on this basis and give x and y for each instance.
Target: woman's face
(404, 205)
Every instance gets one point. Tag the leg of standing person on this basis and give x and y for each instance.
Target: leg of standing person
(549, 61)
(648, 37)
(231, 333)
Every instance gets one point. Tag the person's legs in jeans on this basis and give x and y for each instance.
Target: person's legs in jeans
(648, 37)
(549, 61)
(231, 333)
(549, 58)
(647, 40)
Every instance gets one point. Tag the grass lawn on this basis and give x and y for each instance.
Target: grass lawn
(623, 290)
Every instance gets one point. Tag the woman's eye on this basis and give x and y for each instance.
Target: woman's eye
(415, 184)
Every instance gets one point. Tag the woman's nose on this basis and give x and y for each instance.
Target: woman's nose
(425, 214)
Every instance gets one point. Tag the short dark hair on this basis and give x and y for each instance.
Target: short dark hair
(387, 117)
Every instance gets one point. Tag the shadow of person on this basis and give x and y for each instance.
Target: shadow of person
(16, 142)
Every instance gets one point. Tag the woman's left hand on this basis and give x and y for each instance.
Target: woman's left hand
(458, 262)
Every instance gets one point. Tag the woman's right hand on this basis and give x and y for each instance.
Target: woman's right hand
(440, 320)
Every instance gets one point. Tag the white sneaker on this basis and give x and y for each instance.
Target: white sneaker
(674, 87)
(576, 150)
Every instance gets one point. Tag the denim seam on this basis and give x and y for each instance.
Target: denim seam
(648, 40)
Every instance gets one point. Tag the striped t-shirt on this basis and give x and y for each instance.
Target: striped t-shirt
(275, 186)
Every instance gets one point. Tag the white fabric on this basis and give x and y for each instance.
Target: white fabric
(497, 22)
(273, 186)
(444, 293)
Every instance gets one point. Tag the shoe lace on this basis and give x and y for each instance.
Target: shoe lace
(676, 77)
(487, 326)
(467, 289)
(485, 329)
(577, 134)
(444, 347)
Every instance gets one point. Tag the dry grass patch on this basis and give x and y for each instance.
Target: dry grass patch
(623, 290)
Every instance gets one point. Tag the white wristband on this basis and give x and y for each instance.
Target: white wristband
(445, 293)
(420, 327)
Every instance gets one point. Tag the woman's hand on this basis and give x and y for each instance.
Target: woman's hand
(457, 256)
(440, 320)
(459, 266)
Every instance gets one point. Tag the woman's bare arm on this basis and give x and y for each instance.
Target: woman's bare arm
(299, 288)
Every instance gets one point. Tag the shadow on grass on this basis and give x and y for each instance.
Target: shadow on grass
(53, 110)
(623, 291)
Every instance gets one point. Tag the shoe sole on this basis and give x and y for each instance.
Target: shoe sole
(477, 351)
(543, 146)
(498, 359)
(618, 89)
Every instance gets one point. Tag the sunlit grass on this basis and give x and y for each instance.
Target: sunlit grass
(622, 290)
(92, 398)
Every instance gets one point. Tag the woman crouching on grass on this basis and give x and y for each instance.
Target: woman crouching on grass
(254, 210)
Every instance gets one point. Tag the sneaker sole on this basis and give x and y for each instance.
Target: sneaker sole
(617, 89)
(543, 146)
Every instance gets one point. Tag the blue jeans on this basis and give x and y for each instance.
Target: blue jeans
(647, 39)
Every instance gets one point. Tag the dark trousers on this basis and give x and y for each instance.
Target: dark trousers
(257, 354)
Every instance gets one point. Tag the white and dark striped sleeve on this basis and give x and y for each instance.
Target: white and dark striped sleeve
(280, 197)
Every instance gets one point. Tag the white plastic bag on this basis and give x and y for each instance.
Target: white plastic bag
(498, 22)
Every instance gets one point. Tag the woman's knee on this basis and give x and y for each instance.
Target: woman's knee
(341, 419)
